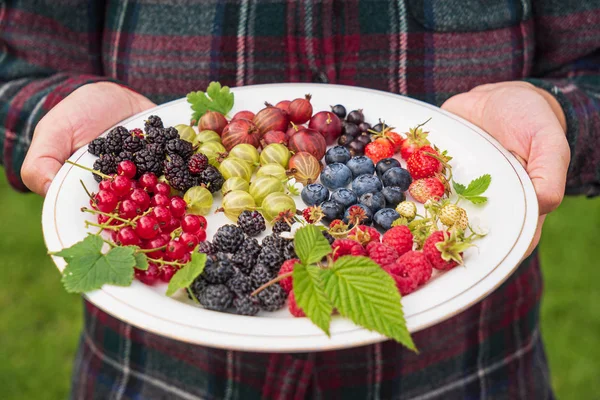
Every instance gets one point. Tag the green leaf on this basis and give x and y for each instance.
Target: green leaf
(478, 186)
(458, 187)
(310, 244)
(309, 291)
(476, 199)
(186, 275)
(362, 291)
(216, 98)
(88, 268)
(141, 261)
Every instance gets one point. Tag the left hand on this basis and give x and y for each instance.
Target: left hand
(529, 123)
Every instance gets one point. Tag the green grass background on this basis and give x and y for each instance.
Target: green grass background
(40, 323)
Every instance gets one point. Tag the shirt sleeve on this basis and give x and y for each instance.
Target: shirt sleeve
(567, 64)
(48, 51)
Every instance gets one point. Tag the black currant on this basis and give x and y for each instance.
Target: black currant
(356, 117)
(339, 110)
(349, 128)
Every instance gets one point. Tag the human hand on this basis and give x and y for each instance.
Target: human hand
(72, 123)
(529, 123)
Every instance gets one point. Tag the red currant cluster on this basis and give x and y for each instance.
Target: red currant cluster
(143, 213)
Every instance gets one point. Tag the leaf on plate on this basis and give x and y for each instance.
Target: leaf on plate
(186, 275)
(474, 190)
(360, 290)
(216, 98)
(88, 268)
(141, 261)
(458, 187)
(309, 291)
(310, 244)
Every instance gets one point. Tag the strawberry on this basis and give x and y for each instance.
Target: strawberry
(381, 253)
(450, 214)
(344, 247)
(287, 266)
(379, 149)
(399, 238)
(396, 140)
(444, 250)
(421, 165)
(364, 234)
(293, 307)
(427, 188)
(415, 139)
(416, 263)
(407, 209)
(407, 280)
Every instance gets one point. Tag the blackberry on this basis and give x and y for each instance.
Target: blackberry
(197, 287)
(271, 257)
(156, 148)
(171, 133)
(246, 305)
(97, 146)
(272, 298)
(240, 284)
(260, 275)
(274, 240)
(228, 238)
(328, 236)
(218, 271)
(281, 226)
(119, 132)
(289, 251)
(245, 258)
(197, 163)
(180, 147)
(156, 135)
(147, 160)
(216, 297)
(206, 247)
(251, 222)
(114, 141)
(124, 156)
(178, 175)
(133, 143)
(153, 121)
(107, 164)
(212, 178)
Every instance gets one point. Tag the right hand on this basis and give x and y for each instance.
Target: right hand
(74, 122)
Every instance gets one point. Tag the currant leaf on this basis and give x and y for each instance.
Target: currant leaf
(217, 98)
(186, 275)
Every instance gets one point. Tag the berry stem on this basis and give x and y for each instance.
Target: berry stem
(89, 169)
(108, 242)
(92, 211)
(271, 282)
(151, 250)
(87, 191)
(192, 295)
(163, 262)
(105, 226)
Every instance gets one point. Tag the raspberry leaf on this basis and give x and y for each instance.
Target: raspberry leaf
(310, 244)
(309, 290)
(362, 291)
(216, 98)
(186, 275)
(88, 268)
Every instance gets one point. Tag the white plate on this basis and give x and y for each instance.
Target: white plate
(510, 214)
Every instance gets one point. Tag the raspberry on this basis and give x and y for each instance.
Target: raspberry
(240, 284)
(295, 310)
(271, 258)
(272, 298)
(381, 253)
(216, 297)
(251, 222)
(153, 121)
(344, 247)
(364, 234)
(400, 238)
(228, 238)
(219, 270)
(406, 279)
(197, 163)
(133, 143)
(177, 174)
(287, 267)
(450, 253)
(260, 275)
(212, 178)
(415, 262)
(97, 146)
(246, 305)
(281, 226)
(180, 147)
(107, 164)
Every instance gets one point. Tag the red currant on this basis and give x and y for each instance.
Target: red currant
(167, 273)
(156, 243)
(201, 235)
(160, 200)
(121, 185)
(162, 188)
(187, 257)
(175, 250)
(140, 197)
(147, 227)
(104, 184)
(127, 168)
(190, 223)
(148, 181)
(149, 276)
(103, 219)
(129, 209)
(173, 224)
(165, 237)
(162, 214)
(203, 222)
(189, 240)
(113, 235)
(128, 237)
(107, 201)
(177, 206)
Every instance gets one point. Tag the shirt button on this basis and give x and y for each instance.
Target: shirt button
(320, 77)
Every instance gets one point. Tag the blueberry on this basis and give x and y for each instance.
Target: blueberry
(386, 164)
(375, 201)
(367, 212)
(336, 175)
(314, 194)
(345, 197)
(385, 217)
(332, 210)
(337, 154)
(366, 184)
(361, 165)
(393, 195)
(397, 176)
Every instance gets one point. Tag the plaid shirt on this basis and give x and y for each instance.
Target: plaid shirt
(426, 49)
